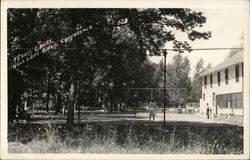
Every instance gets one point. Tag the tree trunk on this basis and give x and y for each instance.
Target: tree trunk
(15, 85)
(48, 93)
(58, 103)
(70, 118)
(12, 111)
(73, 89)
(72, 100)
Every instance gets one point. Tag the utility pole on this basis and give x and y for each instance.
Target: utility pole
(164, 98)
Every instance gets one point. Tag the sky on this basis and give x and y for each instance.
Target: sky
(227, 28)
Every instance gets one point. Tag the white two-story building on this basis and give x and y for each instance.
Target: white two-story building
(222, 87)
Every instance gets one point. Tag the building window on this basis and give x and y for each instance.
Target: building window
(218, 78)
(235, 100)
(203, 96)
(226, 76)
(211, 80)
(237, 72)
(205, 81)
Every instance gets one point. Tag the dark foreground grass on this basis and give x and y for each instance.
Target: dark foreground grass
(129, 137)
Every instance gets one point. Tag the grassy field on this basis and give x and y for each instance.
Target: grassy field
(126, 137)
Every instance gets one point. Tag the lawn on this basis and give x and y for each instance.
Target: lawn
(126, 137)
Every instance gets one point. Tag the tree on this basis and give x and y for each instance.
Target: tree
(20, 23)
(177, 79)
(209, 66)
(197, 81)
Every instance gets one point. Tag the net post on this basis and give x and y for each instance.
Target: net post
(164, 98)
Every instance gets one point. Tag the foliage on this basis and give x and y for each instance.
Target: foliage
(197, 81)
(120, 38)
(177, 79)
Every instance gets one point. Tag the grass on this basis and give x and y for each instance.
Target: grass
(125, 139)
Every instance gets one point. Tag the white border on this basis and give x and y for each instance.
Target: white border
(229, 4)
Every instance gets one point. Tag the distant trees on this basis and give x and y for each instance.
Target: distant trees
(178, 82)
(196, 92)
(181, 88)
(197, 81)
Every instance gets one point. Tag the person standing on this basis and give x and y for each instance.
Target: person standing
(207, 111)
(152, 106)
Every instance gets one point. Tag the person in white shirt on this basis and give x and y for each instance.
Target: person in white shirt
(151, 108)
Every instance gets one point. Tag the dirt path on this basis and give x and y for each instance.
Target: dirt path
(170, 117)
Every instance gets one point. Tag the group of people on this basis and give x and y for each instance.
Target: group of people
(152, 105)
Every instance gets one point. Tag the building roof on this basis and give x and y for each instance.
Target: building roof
(236, 58)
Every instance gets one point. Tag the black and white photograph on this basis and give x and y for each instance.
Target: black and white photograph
(135, 80)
